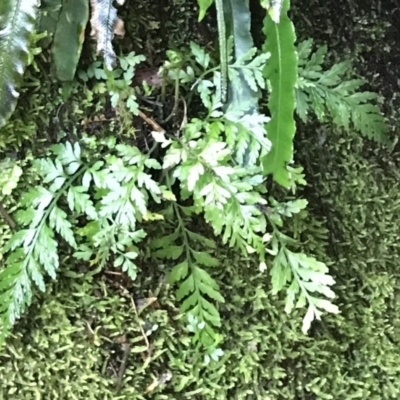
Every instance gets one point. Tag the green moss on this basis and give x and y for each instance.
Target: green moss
(353, 226)
(68, 345)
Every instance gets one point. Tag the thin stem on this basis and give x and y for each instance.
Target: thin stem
(223, 51)
(6, 216)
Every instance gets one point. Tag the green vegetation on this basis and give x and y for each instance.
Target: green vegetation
(165, 233)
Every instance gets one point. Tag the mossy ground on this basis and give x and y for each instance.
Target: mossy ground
(70, 344)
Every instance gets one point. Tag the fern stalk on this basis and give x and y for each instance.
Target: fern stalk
(223, 51)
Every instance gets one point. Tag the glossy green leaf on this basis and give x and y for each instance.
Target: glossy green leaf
(69, 37)
(49, 15)
(204, 5)
(281, 71)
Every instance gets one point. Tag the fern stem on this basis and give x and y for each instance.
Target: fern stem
(223, 51)
(181, 226)
(203, 75)
(6, 216)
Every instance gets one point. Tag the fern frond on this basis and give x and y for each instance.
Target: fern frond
(34, 248)
(105, 24)
(281, 72)
(301, 276)
(197, 290)
(304, 276)
(332, 96)
(18, 22)
(122, 188)
(30, 250)
(69, 37)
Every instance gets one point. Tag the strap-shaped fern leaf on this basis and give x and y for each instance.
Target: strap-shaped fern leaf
(105, 24)
(281, 71)
(69, 37)
(17, 21)
(48, 19)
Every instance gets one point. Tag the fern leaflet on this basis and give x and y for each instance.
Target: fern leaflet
(330, 95)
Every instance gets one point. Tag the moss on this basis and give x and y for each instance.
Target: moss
(70, 345)
(352, 224)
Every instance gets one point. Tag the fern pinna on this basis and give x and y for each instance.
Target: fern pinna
(331, 95)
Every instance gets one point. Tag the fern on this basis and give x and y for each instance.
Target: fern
(34, 247)
(244, 128)
(232, 201)
(281, 72)
(330, 95)
(68, 37)
(206, 161)
(96, 207)
(125, 188)
(297, 273)
(197, 289)
(111, 194)
(18, 21)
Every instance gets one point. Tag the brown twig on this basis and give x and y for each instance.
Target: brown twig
(176, 102)
(184, 119)
(6, 217)
(140, 325)
(151, 122)
(122, 368)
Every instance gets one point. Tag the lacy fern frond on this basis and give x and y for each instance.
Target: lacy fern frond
(197, 290)
(34, 248)
(302, 276)
(124, 187)
(231, 198)
(329, 94)
(110, 194)
(206, 161)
